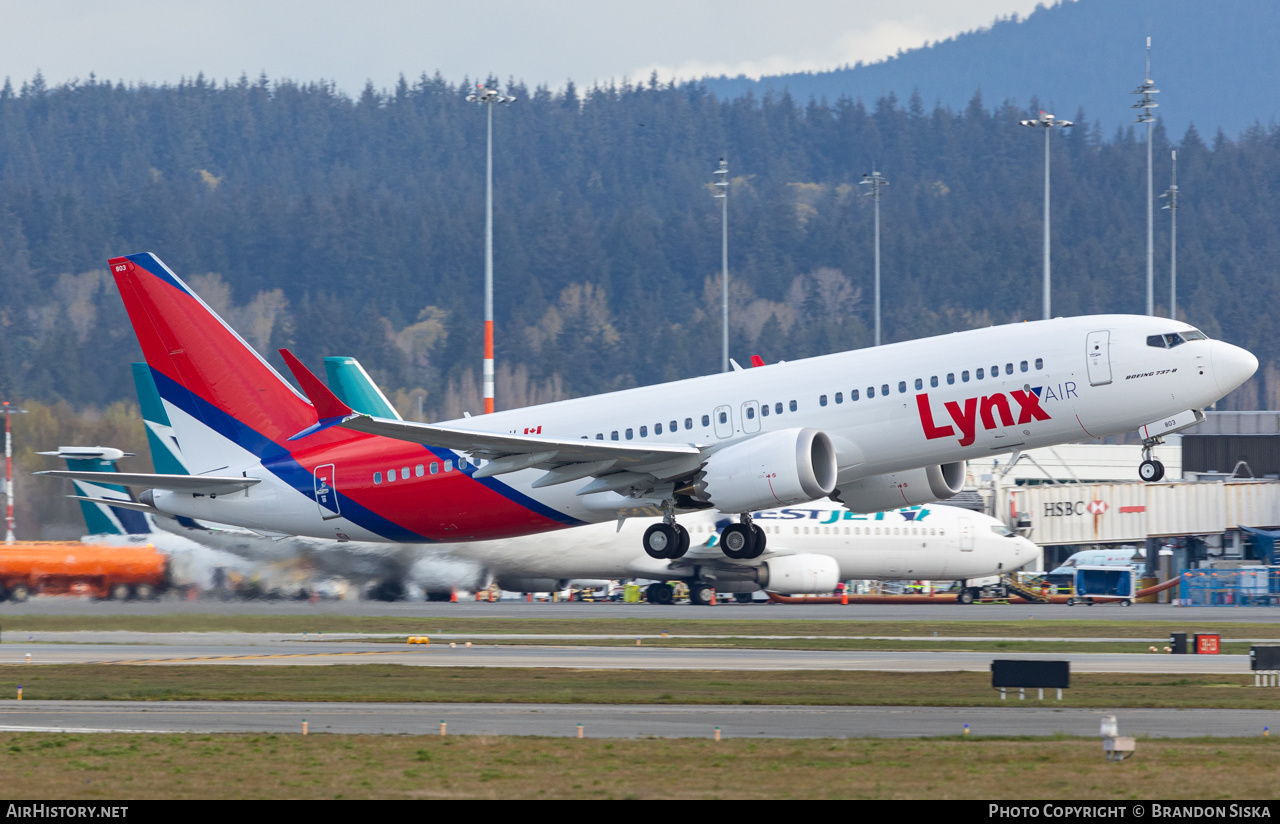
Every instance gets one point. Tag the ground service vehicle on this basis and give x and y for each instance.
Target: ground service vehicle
(117, 572)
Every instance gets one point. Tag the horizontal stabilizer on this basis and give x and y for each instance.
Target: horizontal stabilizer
(196, 484)
(114, 503)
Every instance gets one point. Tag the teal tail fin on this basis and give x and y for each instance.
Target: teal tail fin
(166, 455)
(354, 387)
(101, 518)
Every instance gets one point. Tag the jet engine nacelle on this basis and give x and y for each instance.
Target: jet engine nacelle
(803, 574)
(896, 489)
(780, 468)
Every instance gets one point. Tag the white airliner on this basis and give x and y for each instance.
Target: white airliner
(811, 549)
(871, 429)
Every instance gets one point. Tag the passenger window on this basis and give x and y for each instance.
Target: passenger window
(764, 410)
(792, 406)
(995, 371)
(613, 436)
(1008, 368)
(1023, 366)
(853, 394)
(724, 417)
(599, 436)
(657, 429)
(391, 474)
(419, 470)
(448, 465)
(751, 416)
(644, 431)
(822, 400)
(951, 378)
(839, 397)
(404, 474)
(902, 386)
(688, 423)
(933, 381)
(630, 434)
(675, 428)
(919, 383)
(777, 409)
(434, 468)
(884, 389)
(706, 420)
(964, 376)
(377, 477)
(1039, 364)
(871, 391)
(462, 463)
(979, 373)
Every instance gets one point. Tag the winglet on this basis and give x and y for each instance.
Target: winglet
(329, 410)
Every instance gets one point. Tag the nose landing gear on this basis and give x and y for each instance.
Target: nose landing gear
(1150, 470)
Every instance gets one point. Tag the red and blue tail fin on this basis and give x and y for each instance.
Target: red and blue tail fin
(222, 398)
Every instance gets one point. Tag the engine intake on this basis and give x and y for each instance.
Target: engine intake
(896, 489)
(780, 468)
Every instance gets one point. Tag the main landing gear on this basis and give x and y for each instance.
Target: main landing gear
(742, 541)
(1150, 470)
(667, 540)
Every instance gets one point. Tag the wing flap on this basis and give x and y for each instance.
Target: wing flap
(197, 484)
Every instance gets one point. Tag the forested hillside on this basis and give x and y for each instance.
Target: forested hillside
(334, 225)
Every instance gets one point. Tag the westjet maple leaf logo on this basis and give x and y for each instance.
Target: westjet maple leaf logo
(984, 409)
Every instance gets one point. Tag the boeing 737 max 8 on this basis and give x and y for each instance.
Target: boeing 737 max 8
(873, 429)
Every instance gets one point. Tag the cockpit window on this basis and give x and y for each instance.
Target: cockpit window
(1173, 339)
(1001, 529)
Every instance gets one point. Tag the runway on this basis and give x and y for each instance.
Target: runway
(609, 721)
(520, 609)
(269, 652)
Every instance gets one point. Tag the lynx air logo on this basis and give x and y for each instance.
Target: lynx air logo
(968, 414)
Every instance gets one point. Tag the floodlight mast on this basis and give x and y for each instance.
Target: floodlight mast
(488, 98)
(722, 194)
(876, 181)
(8, 411)
(1145, 103)
(1172, 206)
(1046, 121)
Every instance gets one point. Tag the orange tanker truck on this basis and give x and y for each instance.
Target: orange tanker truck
(51, 568)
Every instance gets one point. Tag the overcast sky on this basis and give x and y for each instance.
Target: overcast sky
(539, 41)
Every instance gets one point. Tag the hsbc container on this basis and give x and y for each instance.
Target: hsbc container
(1083, 513)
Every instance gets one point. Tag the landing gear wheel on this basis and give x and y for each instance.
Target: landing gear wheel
(737, 541)
(661, 541)
(701, 594)
(660, 594)
(1151, 471)
(965, 596)
(761, 541)
(682, 542)
(1126, 603)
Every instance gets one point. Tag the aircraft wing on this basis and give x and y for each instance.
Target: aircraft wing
(199, 484)
(565, 459)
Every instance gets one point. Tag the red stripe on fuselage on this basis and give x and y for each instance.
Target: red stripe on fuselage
(447, 506)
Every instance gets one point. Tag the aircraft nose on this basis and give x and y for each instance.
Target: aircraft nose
(1232, 365)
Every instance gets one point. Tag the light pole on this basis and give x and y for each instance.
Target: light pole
(8, 412)
(876, 181)
(1172, 206)
(1145, 103)
(488, 98)
(722, 194)
(1046, 121)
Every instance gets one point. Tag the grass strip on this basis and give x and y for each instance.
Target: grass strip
(321, 622)
(392, 682)
(247, 766)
